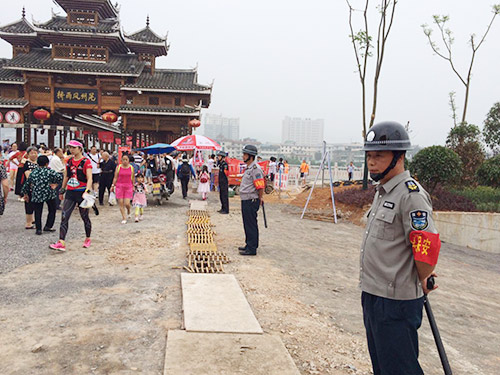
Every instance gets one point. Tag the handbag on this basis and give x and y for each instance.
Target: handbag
(112, 198)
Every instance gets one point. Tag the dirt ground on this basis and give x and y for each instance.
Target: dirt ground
(107, 309)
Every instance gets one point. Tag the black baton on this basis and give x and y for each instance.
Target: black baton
(264, 212)
(435, 330)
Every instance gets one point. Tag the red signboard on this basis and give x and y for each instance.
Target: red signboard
(106, 136)
(118, 141)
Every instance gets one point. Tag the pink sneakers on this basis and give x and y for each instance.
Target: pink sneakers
(86, 244)
(59, 246)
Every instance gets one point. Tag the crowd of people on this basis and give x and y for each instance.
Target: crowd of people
(63, 179)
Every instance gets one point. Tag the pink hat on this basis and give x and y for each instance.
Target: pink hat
(75, 143)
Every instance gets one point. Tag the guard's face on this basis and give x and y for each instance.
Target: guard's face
(378, 161)
(246, 157)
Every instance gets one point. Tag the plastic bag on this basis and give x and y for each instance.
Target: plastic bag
(112, 198)
(88, 200)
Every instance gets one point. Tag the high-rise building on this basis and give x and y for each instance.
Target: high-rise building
(301, 131)
(219, 127)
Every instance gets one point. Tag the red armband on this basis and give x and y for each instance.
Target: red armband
(259, 183)
(425, 246)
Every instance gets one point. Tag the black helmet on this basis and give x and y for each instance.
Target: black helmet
(250, 150)
(221, 153)
(387, 136)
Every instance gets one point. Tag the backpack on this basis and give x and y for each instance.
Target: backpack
(185, 170)
(80, 175)
(204, 178)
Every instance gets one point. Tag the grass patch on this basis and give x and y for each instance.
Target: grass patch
(485, 198)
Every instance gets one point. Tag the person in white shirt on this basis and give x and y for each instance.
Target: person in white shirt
(210, 166)
(272, 168)
(56, 163)
(13, 164)
(95, 159)
(350, 170)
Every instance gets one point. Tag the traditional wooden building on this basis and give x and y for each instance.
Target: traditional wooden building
(80, 66)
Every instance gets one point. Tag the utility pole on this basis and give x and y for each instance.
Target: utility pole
(322, 165)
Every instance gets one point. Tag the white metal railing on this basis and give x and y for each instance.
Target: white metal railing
(339, 174)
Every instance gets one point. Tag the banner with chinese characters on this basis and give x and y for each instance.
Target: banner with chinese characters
(75, 96)
(106, 136)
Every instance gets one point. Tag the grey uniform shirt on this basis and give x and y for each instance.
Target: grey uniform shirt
(247, 188)
(387, 267)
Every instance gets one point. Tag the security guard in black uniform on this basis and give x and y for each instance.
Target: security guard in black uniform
(223, 182)
(251, 192)
(398, 254)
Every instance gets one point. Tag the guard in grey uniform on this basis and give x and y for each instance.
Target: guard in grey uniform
(398, 254)
(251, 192)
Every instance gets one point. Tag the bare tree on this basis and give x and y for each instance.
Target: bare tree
(362, 45)
(453, 107)
(447, 41)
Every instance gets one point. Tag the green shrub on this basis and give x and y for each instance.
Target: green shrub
(488, 207)
(489, 172)
(436, 165)
(485, 198)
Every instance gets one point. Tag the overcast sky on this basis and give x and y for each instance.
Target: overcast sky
(270, 59)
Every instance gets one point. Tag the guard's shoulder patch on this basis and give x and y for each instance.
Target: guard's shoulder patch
(412, 186)
(419, 219)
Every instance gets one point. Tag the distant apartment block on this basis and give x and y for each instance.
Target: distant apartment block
(301, 131)
(218, 127)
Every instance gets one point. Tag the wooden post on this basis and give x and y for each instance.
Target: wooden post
(19, 135)
(99, 97)
(51, 135)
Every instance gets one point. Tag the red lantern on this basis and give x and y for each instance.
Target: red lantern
(41, 114)
(194, 123)
(110, 117)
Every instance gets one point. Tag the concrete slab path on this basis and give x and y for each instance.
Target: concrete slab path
(195, 353)
(216, 303)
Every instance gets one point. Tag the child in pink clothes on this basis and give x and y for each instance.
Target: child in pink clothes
(140, 200)
(204, 185)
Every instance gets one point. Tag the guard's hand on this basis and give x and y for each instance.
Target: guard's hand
(261, 201)
(424, 284)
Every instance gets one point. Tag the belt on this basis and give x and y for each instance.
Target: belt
(251, 200)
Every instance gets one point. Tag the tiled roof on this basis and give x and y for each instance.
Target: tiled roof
(92, 120)
(12, 103)
(7, 75)
(157, 109)
(19, 27)
(58, 23)
(40, 59)
(146, 35)
(169, 79)
(105, 8)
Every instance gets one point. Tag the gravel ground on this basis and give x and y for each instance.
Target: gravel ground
(21, 246)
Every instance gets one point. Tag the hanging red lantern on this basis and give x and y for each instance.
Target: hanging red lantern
(110, 117)
(194, 123)
(41, 114)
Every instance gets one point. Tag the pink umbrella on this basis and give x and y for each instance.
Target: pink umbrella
(195, 142)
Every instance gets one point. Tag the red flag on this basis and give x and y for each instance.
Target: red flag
(425, 246)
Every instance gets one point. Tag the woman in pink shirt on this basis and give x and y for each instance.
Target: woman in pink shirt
(123, 186)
